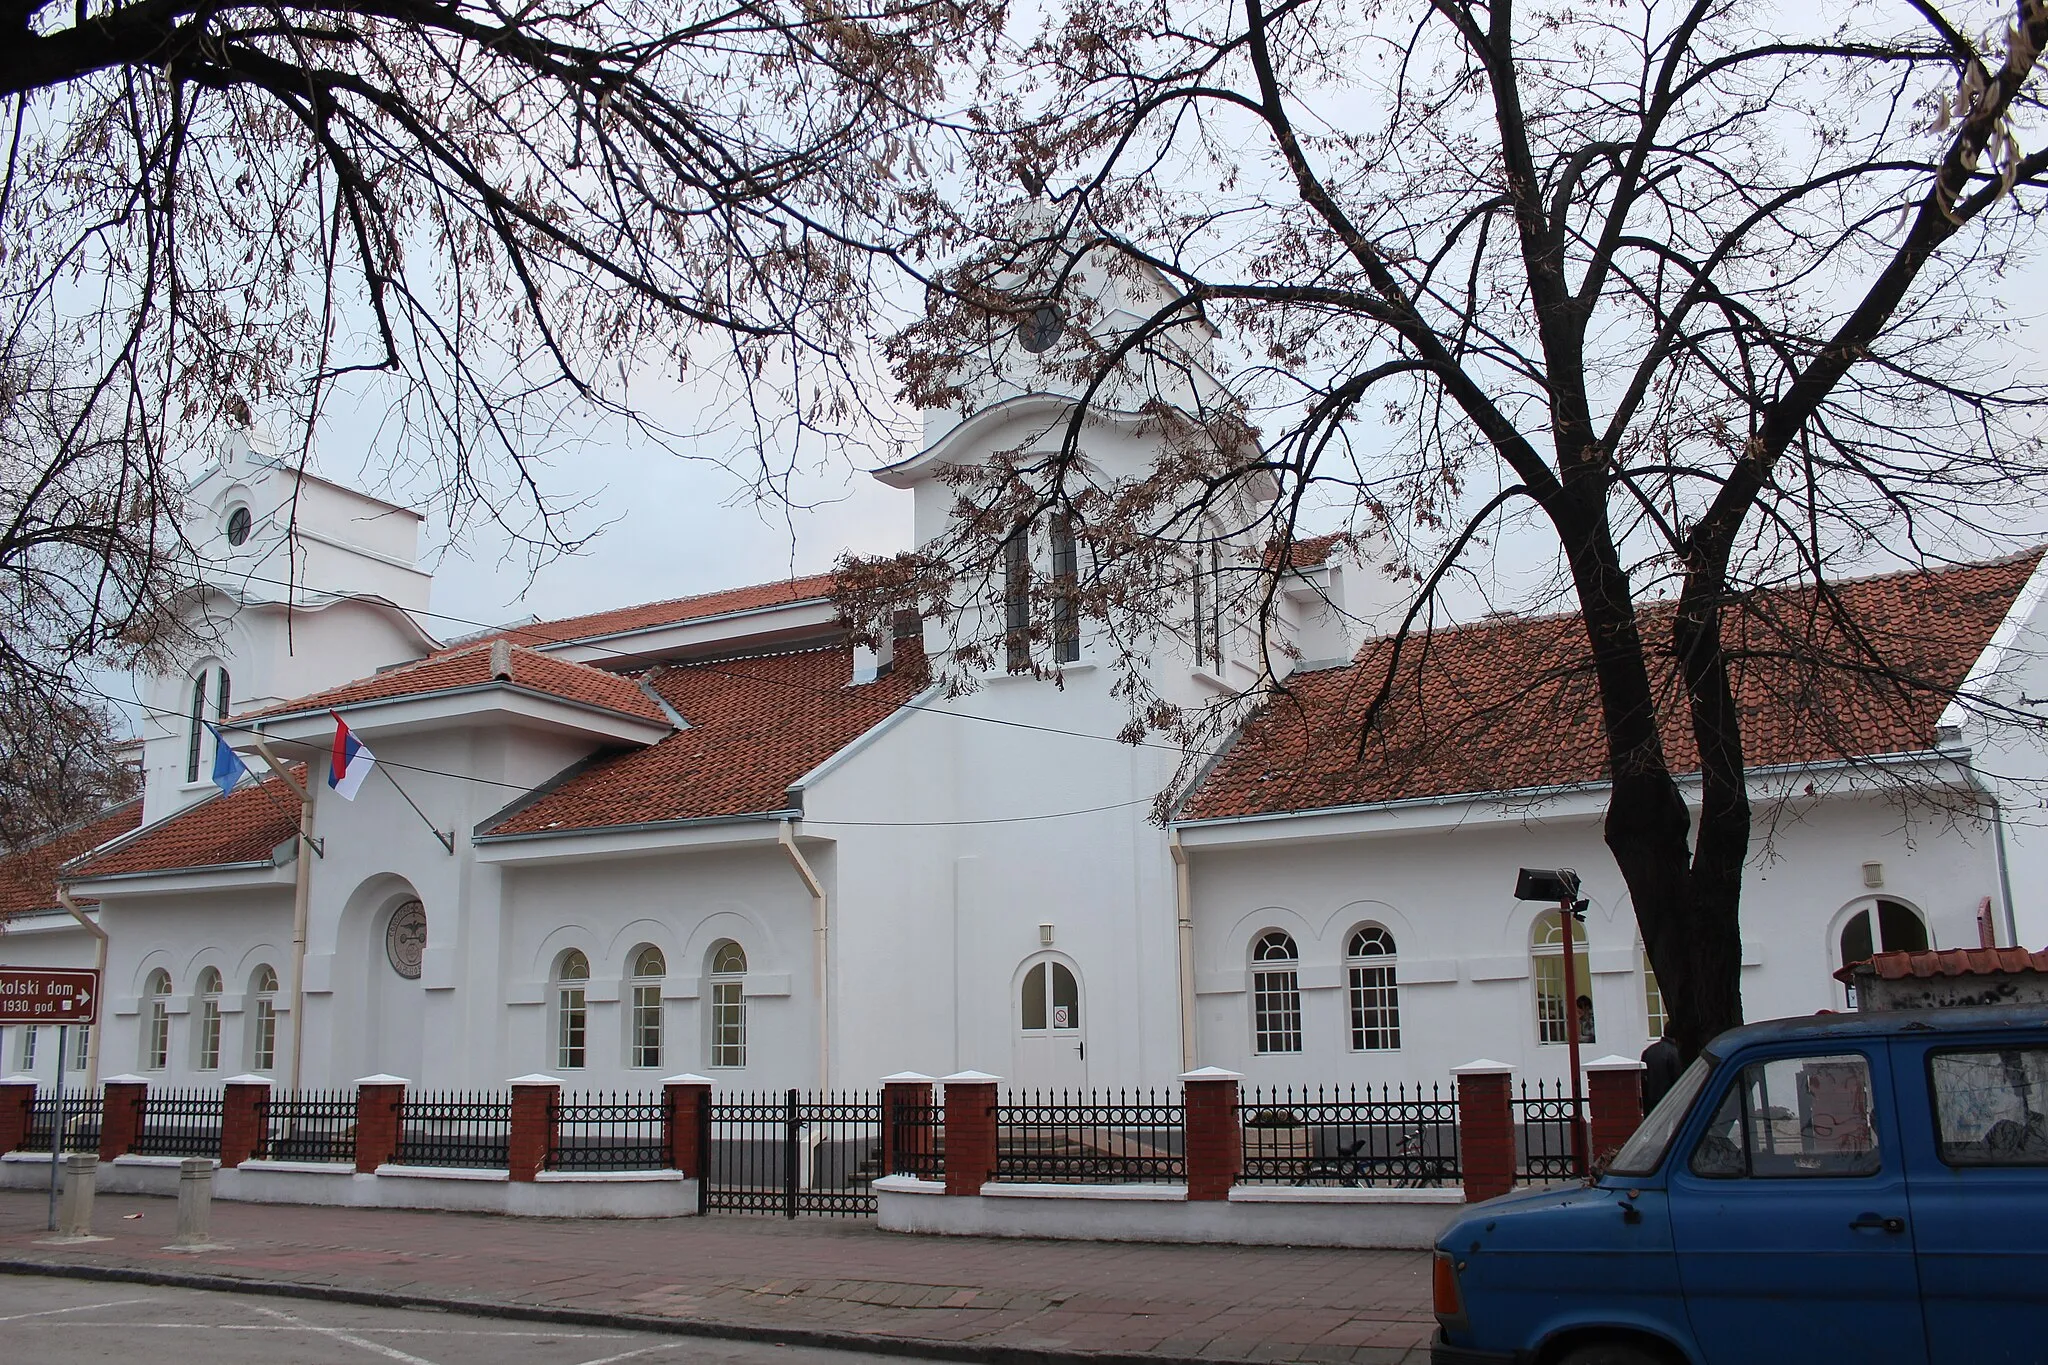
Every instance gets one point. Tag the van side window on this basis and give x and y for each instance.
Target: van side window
(1991, 1106)
(1793, 1117)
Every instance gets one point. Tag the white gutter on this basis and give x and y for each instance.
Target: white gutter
(1183, 903)
(99, 966)
(822, 946)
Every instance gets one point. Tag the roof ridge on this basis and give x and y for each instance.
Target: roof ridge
(543, 623)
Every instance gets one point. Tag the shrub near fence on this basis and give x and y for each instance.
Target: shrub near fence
(309, 1125)
(180, 1123)
(1392, 1137)
(608, 1133)
(455, 1128)
(1133, 1137)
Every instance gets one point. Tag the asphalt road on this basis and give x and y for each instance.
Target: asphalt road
(71, 1322)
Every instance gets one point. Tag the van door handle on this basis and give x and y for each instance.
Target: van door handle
(1872, 1220)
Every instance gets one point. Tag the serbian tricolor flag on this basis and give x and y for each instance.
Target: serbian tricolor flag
(351, 763)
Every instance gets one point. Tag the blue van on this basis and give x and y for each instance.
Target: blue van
(1864, 1188)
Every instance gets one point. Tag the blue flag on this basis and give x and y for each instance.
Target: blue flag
(228, 767)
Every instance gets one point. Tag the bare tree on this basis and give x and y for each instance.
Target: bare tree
(1711, 293)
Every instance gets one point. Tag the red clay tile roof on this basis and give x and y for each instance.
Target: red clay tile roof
(28, 879)
(648, 615)
(1512, 704)
(241, 827)
(755, 726)
(470, 666)
(1947, 962)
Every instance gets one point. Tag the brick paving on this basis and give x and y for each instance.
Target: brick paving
(979, 1296)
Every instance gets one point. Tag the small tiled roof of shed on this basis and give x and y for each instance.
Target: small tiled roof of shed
(472, 666)
(1512, 704)
(1933, 963)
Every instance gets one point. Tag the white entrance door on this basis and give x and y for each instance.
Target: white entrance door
(1052, 1045)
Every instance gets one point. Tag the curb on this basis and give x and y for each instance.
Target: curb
(923, 1348)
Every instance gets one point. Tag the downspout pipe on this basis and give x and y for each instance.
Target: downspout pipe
(821, 940)
(1989, 795)
(99, 965)
(1183, 905)
(302, 896)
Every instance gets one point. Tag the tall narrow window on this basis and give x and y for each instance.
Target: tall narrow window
(1198, 611)
(1546, 961)
(156, 1021)
(1895, 928)
(1375, 993)
(81, 1046)
(728, 1005)
(198, 728)
(1276, 994)
(1017, 600)
(220, 695)
(1216, 607)
(572, 1011)
(1066, 570)
(1654, 1017)
(263, 1038)
(28, 1048)
(209, 1019)
(649, 968)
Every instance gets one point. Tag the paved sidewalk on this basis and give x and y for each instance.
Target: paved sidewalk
(822, 1281)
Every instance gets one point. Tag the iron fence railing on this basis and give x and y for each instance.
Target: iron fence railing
(180, 1123)
(917, 1140)
(455, 1128)
(599, 1132)
(80, 1122)
(308, 1125)
(792, 1152)
(1397, 1135)
(1543, 1132)
(1129, 1137)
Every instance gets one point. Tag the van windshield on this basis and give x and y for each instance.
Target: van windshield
(1641, 1154)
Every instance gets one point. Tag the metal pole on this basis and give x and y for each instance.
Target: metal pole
(57, 1123)
(1571, 1033)
(790, 1137)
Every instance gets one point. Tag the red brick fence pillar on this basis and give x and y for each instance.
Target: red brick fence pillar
(244, 1118)
(1615, 1092)
(1214, 1138)
(377, 1102)
(122, 1099)
(17, 1102)
(535, 1101)
(970, 1131)
(686, 1125)
(1486, 1128)
(909, 1138)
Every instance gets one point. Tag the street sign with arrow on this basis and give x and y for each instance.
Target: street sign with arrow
(49, 995)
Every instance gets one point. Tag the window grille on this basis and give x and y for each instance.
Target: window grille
(1375, 992)
(1276, 994)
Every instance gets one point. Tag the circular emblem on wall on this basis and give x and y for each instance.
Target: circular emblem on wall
(405, 939)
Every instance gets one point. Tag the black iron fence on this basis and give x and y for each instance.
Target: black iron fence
(455, 1128)
(1131, 1137)
(917, 1141)
(599, 1132)
(308, 1125)
(1398, 1136)
(79, 1122)
(180, 1123)
(1543, 1132)
(792, 1153)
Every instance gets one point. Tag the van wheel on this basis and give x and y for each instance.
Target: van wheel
(1612, 1353)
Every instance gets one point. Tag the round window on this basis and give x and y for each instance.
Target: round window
(1039, 331)
(238, 525)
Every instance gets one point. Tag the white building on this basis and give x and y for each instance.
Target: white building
(711, 834)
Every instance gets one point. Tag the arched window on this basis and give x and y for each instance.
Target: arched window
(1546, 962)
(1017, 600)
(1375, 993)
(1276, 994)
(195, 739)
(1066, 565)
(156, 1021)
(209, 1019)
(1895, 928)
(263, 1031)
(728, 1005)
(1654, 1017)
(649, 967)
(572, 1012)
(1051, 998)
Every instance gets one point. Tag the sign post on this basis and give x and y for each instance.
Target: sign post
(51, 995)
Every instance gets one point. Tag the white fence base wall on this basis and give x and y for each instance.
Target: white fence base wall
(1252, 1216)
(555, 1194)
